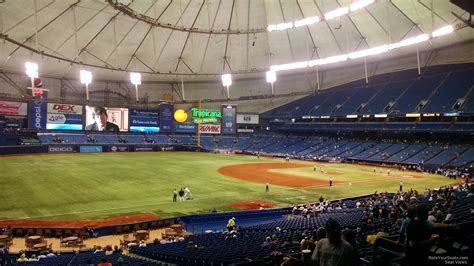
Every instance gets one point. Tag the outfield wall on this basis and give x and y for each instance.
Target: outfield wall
(81, 148)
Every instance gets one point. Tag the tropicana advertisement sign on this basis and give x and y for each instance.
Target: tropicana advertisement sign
(205, 116)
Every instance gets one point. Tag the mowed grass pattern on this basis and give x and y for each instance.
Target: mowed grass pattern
(99, 185)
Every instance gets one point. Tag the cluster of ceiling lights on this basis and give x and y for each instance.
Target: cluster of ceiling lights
(363, 53)
(85, 76)
(328, 16)
(271, 74)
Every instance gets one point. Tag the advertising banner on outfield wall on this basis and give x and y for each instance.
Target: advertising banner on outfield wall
(90, 149)
(210, 129)
(37, 110)
(13, 108)
(118, 148)
(61, 149)
(166, 117)
(247, 119)
(228, 119)
(185, 127)
(143, 149)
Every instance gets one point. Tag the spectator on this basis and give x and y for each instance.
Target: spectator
(420, 238)
(449, 215)
(266, 243)
(22, 258)
(333, 251)
(104, 262)
(109, 250)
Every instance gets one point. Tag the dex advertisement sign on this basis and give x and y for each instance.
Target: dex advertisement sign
(58, 108)
(13, 108)
(64, 116)
(37, 110)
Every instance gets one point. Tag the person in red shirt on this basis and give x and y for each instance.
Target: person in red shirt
(104, 262)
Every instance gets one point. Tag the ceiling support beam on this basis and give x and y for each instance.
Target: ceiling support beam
(407, 17)
(76, 30)
(287, 33)
(171, 33)
(187, 38)
(42, 28)
(95, 36)
(35, 5)
(12, 83)
(28, 17)
(147, 66)
(125, 36)
(227, 38)
(138, 47)
(330, 29)
(210, 30)
(146, 19)
(314, 49)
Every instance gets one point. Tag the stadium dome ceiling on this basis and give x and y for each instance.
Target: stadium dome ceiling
(201, 39)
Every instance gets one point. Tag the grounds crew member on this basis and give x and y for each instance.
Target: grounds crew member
(231, 224)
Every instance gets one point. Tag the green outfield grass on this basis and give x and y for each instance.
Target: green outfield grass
(92, 186)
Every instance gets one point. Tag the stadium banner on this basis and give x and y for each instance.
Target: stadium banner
(166, 117)
(64, 116)
(58, 108)
(115, 148)
(143, 148)
(185, 127)
(143, 120)
(90, 149)
(37, 110)
(245, 130)
(247, 119)
(228, 119)
(206, 116)
(210, 129)
(13, 108)
(61, 149)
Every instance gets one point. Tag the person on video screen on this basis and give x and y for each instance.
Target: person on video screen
(101, 124)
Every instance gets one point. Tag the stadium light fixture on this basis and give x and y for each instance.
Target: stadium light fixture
(227, 81)
(136, 79)
(360, 4)
(86, 79)
(289, 66)
(336, 13)
(281, 26)
(32, 72)
(442, 31)
(328, 60)
(306, 21)
(409, 41)
(271, 78)
(367, 52)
